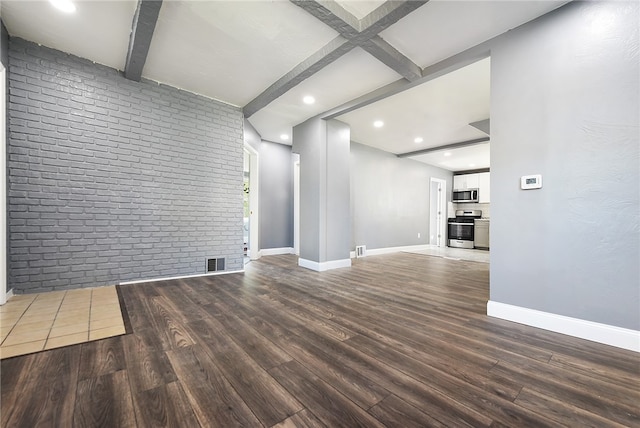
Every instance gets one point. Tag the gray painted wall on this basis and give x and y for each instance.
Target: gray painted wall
(338, 196)
(565, 104)
(114, 180)
(324, 189)
(390, 198)
(307, 142)
(276, 190)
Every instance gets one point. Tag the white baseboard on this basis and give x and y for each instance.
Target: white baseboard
(223, 272)
(390, 250)
(323, 266)
(276, 251)
(589, 330)
(7, 296)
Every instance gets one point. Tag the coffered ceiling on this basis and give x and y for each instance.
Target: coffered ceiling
(265, 56)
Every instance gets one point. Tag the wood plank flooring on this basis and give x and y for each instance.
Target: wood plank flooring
(398, 340)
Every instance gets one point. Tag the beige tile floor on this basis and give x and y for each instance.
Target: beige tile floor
(35, 322)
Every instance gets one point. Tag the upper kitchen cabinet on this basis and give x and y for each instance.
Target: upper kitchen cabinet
(480, 181)
(466, 181)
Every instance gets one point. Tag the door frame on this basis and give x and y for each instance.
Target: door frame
(296, 204)
(253, 249)
(442, 201)
(3, 186)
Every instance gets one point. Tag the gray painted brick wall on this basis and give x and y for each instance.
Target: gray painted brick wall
(113, 180)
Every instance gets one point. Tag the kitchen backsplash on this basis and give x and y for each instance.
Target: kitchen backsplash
(472, 206)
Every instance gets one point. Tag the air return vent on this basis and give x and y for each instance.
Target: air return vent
(361, 251)
(214, 265)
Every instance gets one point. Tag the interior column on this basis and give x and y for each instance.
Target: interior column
(325, 217)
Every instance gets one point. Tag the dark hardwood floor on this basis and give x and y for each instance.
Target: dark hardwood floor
(398, 340)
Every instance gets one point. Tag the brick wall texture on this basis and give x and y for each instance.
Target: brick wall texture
(112, 180)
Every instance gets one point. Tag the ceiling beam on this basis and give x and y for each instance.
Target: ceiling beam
(331, 14)
(144, 23)
(456, 62)
(387, 14)
(352, 33)
(391, 57)
(483, 125)
(316, 62)
(364, 32)
(445, 147)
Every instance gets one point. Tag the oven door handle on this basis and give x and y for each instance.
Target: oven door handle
(462, 224)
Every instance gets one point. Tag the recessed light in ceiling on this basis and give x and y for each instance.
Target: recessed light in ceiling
(418, 140)
(472, 165)
(64, 5)
(308, 100)
(284, 137)
(378, 124)
(447, 153)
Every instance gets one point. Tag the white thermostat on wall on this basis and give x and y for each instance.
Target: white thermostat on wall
(528, 182)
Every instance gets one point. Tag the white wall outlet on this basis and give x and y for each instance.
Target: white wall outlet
(418, 234)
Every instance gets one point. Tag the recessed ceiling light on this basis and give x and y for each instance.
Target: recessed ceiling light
(64, 5)
(284, 137)
(378, 124)
(418, 140)
(472, 164)
(308, 99)
(447, 153)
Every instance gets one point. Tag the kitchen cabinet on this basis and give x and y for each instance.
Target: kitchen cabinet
(480, 181)
(484, 184)
(466, 181)
(481, 233)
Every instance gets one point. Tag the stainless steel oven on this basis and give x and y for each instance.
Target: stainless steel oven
(460, 229)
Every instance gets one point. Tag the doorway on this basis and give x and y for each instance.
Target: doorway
(437, 218)
(296, 205)
(250, 226)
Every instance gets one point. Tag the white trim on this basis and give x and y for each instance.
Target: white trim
(9, 295)
(390, 250)
(442, 201)
(3, 188)
(321, 267)
(139, 281)
(589, 330)
(254, 202)
(276, 251)
(296, 204)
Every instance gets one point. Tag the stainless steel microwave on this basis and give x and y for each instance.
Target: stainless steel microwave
(465, 195)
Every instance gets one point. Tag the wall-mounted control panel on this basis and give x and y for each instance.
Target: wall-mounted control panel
(528, 182)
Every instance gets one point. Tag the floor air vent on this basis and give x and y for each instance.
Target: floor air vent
(361, 251)
(214, 265)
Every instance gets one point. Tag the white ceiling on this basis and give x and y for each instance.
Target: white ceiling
(234, 50)
(438, 111)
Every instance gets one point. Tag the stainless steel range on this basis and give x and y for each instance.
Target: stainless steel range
(460, 229)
